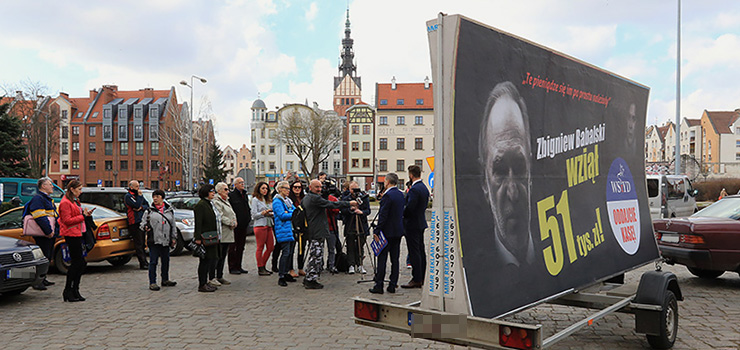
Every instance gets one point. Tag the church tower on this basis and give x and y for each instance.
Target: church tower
(347, 86)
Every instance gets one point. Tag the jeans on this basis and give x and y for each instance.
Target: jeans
(47, 247)
(286, 255)
(157, 252)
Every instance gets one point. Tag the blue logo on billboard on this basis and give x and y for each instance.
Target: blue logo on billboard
(623, 207)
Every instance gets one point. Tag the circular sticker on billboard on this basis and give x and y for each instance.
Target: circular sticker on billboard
(621, 203)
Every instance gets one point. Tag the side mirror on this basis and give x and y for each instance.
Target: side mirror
(694, 193)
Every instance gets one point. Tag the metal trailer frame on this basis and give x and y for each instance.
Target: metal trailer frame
(652, 301)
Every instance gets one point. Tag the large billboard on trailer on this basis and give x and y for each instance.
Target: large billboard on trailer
(545, 156)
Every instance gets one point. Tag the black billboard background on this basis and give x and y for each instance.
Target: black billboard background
(485, 58)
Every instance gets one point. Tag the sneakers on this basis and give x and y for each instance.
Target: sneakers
(153, 286)
(215, 282)
(312, 284)
(169, 283)
(223, 281)
(361, 269)
(206, 288)
(282, 283)
(351, 270)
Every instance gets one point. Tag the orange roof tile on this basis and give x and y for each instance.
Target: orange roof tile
(408, 92)
(722, 121)
(693, 122)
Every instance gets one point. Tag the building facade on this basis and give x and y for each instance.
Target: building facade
(360, 155)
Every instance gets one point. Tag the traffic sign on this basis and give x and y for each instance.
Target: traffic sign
(431, 179)
(210, 181)
(177, 182)
(100, 182)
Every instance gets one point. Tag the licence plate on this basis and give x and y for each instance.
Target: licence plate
(123, 232)
(669, 238)
(21, 272)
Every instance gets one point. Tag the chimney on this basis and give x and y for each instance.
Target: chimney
(64, 94)
(393, 83)
(19, 95)
(426, 83)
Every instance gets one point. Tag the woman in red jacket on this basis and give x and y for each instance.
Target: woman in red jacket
(71, 227)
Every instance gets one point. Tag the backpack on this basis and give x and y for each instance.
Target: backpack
(299, 221)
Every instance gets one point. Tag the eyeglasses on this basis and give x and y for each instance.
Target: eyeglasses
(285, 187)
(297, 187)
(214, 191)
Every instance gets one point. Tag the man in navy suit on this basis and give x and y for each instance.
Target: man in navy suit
(415, 222)
(390, 223)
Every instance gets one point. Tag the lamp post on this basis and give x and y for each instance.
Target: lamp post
(190, 127)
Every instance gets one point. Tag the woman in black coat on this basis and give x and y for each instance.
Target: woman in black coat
(206, 225)
(355, 227)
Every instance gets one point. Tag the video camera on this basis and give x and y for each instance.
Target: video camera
(330, 188)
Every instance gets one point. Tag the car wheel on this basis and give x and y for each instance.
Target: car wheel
(119, 260)
(59, 262)
(668, 323)
(705, 274)
(179, 245)
(15, 291)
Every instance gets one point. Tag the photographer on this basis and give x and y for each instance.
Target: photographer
(355, 227)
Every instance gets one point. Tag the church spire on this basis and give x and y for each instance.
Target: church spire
(347, 66)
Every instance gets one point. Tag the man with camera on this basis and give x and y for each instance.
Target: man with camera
(355, 227)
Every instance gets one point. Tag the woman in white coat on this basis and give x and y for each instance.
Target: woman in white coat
(228, 223)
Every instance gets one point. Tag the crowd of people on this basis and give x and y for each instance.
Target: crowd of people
(292, 225)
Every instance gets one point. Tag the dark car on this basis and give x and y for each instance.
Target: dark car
(21, 263)
(707, 243)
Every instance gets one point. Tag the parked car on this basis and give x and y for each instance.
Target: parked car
(113, 242)
(112, 198)
(707, 243)
(372, 195)
(21, 263)
(25, 189)
(670, 196)
(188, 201)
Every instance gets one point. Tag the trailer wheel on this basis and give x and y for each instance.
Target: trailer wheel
(668, 323)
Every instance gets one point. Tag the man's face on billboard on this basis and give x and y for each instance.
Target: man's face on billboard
(631, 123)
(507, 172)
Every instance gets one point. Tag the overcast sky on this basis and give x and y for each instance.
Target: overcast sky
(288, 51)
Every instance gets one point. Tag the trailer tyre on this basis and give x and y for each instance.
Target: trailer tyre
(668, 324)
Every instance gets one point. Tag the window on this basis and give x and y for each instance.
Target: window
(337, 164)
(262, 133)
(122, 132)
(108, 165)
(65, 148)
(419, 143)
(355, 129)
(92, 131)
(288, 149)
(366, 146)
(400, 165)
(107, 132)
(419, 101)
(65, 114)
(400, 120)
(324, 166)
(272, 149)
(138, 132)
(124, 148)
(355, 146)
(400, 143)
(109, 148)
(262, 149)
(75, 164)
(289, 165)
(737, 156)
(75, 130)
(383, 143)
(139, 165)
(123, 183)
(91, 165)
(65, 132)
(399, 102)
(155, 185)
(124, 165)
(366, 163)
(75, 146)
(383, 102)
(271, 166)
(382, 165)
(383, 121)
(108, 183)
(91, 147)
(155, 148)
(366, 129)
(419, 120)
(254, 136)
(419, 163)
(355, 162)
(139, 148)
(155, 165)
(272, 133)
(65, 164)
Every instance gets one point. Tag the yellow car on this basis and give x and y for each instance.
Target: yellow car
(113, 241)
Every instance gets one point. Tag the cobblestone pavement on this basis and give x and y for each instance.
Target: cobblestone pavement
(255, 313)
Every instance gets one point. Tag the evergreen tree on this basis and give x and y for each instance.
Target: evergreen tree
(13, 153)
(214, 167)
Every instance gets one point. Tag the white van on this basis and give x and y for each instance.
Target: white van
(670, 196)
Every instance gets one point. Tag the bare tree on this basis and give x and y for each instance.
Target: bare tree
(311, 133)
(175, 136)
(32, 106)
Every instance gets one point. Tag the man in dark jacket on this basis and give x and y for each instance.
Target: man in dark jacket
(44, 212)
(135, 207)
(240, 203)
(318, 230)
(390, 223)
(415, 222)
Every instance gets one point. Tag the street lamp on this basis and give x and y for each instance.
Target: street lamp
(190, 126)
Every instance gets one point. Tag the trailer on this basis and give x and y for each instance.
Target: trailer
(534, 198)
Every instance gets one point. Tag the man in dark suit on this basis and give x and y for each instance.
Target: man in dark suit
(240, 203)
(390, 223)
(415, 222)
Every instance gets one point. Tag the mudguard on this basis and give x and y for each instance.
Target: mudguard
(651, 291)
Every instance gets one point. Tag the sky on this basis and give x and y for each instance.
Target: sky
(288, 51)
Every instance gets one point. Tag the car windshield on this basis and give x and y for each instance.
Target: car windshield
(725, 208)
(101, 212)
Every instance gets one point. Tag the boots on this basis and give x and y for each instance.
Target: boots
(76, 292)
(69, 295)
(262, 271)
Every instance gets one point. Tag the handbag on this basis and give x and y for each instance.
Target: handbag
(198, 250)
(209, 238)
(31, 228)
